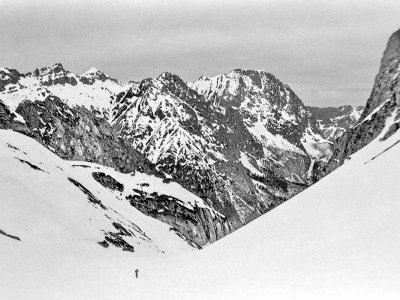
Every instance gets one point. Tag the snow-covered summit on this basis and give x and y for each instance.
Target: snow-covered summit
(93, 74)
(272, 112)
(92, 70)
(93, 89)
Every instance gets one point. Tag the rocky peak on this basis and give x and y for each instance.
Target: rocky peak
(54, 75)
(93, 74)
(392, 51)
(169, 77)
(262, 99)
(174, 85)
(387, 80)
(58, 68)
(168, 80)
(234, 88)
(381, 116)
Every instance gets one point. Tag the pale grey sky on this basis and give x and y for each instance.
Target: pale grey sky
(327, 51)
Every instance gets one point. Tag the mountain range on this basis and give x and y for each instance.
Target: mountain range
(243, 141)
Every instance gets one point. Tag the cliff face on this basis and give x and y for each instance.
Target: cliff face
(386, 86)
(381, 115)
(77, 134)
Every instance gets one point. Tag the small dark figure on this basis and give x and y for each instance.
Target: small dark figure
(137, 273)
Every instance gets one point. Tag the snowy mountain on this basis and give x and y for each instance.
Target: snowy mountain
(92, 89)
(334, 121)
(244, 146)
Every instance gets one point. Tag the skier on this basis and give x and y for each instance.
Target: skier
(137, 273)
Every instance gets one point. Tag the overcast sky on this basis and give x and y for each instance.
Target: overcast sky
(327, 51)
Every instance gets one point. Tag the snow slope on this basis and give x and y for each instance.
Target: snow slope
(339, 239)
(52, 203)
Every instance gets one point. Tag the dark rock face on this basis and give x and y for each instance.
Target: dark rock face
(8, 77)
(334, 121)
(107, 181)
(381, 110)
(116, 240)
(93, 75)
(386, 85)
(56, 75)
(76, 134)
(91, 198)
(8, 120)
(199, 225)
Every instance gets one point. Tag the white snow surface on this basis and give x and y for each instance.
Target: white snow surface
(339, 239)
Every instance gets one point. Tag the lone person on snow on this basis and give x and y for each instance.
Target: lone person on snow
(137, 273)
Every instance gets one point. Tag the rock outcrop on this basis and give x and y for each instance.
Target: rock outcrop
(200, 225)
(381, 115)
